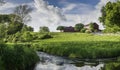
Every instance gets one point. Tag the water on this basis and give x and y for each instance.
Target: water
(50, 62)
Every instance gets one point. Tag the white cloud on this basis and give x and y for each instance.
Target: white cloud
(7, 8)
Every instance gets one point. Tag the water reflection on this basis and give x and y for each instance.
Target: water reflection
(50, 62)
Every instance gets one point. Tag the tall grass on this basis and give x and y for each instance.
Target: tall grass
(17, 57)
(77, 45)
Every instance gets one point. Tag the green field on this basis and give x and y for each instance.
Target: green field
(79, 45)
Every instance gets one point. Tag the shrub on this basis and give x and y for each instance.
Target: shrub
(83, 30)
(46, 36)
(88, 31)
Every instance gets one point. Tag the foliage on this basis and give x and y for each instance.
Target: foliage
(110, 15)
(14, 28)
(46, 36)
(44, 29)
(27, 36)
(88, 31)
(112, 66)
(61, 28)
(17, 57)
(79, 26)
(5, 18)
(2, 30)
(83, 30)
(27, 28)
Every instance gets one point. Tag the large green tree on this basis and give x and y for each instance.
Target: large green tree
(44, 29)
(61, 28)
(79, 26)
(111, 16)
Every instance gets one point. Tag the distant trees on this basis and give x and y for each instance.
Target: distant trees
(79, 26)
(111, 16)
(61, 28)
(44, 29)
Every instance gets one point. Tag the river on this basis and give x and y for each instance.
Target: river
(50, 62)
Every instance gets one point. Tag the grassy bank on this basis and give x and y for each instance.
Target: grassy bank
(17, 57)
(78, 45)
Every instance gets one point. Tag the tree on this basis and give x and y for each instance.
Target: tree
(27, 28)
(44, 29)
(79, 26)
(111, 16)
(4, 18)
(61, 28)
(14, 28)
(23, 12)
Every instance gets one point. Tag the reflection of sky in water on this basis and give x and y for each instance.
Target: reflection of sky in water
(50, 63)
(51, 66)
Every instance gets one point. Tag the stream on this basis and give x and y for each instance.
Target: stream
(50, 62)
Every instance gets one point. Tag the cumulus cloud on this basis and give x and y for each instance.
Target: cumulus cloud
(7, 8)
(46, 15)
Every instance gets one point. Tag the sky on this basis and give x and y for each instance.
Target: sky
(53, 13)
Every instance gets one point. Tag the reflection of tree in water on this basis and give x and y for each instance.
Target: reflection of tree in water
(112, 66)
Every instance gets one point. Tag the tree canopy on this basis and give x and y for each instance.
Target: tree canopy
(61, 28)
(79, 26)
(44, 29)
(111, 16)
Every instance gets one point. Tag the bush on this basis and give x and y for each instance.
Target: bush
(46, 36)
(88, 31)
(27, 36)
(83, 30)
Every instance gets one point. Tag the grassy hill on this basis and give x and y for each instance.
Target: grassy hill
(79, 45)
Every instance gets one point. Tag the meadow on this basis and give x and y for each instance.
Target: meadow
(80, 45)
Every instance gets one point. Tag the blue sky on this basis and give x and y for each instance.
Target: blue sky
(59, 3)
(53, 13)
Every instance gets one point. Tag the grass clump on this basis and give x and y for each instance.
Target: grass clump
(17, 57)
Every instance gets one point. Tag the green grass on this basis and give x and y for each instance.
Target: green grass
(80, 45)
(17, 57)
